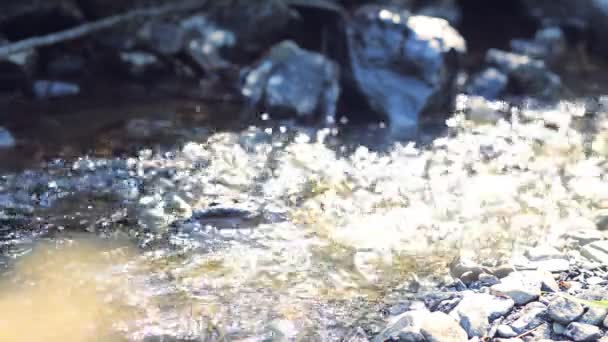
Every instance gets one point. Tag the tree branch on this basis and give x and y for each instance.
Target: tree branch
(95, 26)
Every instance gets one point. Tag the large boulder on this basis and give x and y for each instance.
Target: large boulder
(293, 82)
(404, 65)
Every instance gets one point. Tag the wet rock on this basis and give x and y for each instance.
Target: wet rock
(560, 12)
(405, 66)
(582, 332)
(594, 316)
(476, 310)
(204, 41)
(596, 251)
(522, 287)
(467, 268)
(549, 44)
(290, 81)
(147, 128)
(6, 139)
(422, 325)
(529, 318)
(489, 84)
(46, 89)
(140, 63)
(564, 310)
(164, 38)
(602, 222)
(256, 24)
(526, 76)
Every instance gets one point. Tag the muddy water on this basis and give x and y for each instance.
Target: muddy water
(67, 290)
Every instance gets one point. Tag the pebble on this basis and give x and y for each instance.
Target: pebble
(522, 287)
(422, 325)
(594, 316)
(530, 318)
(475, 311)
(504, 330)
(564, 310)
(6, 138)
(582, 332)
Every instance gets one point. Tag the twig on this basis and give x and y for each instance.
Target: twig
(528, 332)
(95, 26)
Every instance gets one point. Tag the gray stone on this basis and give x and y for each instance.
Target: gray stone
(529, 318)
(204, 41)
(522, 287)
(45, 89)
(544, 252)
(506, 331)
(594, 315)
(290, 81)
(489, 84)
(405, 66)
(460, 267)
(476, 310)
(602, 222)
(528, 76)
(552, 266)
(162, 37)
(584, 236)
(422, 325)
(6, 139)
(582, 332)
(558, 328)
(140, 63)
(596, 251)
(564, 310)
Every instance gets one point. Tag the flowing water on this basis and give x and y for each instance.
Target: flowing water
(283, 233)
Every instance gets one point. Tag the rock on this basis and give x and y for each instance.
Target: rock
(463, 267)
(543, 252)
(605, 323)
(506, 331)
(522, 287)
(526, 76)
(564, 310)
(140, 63)
(204, 42)
(602, 222)
(422, 325)
(290, 81)
(282, 330)
(596, 251)
(405, 66)
(164, 38)
(46, 89)
(553, 266)
(444, 9)
(476, 310)
(598, 25)
(558, 328)
(584, 236)
(560, 12)
(489, 84)
(549, 44)
(582, 332)
(357, 335)
(594, 316)
(255, 24)
(530, 317)
(6, 139)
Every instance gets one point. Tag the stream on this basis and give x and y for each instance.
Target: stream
(277, 232)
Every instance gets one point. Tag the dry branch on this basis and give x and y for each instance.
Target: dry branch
(95, 26)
